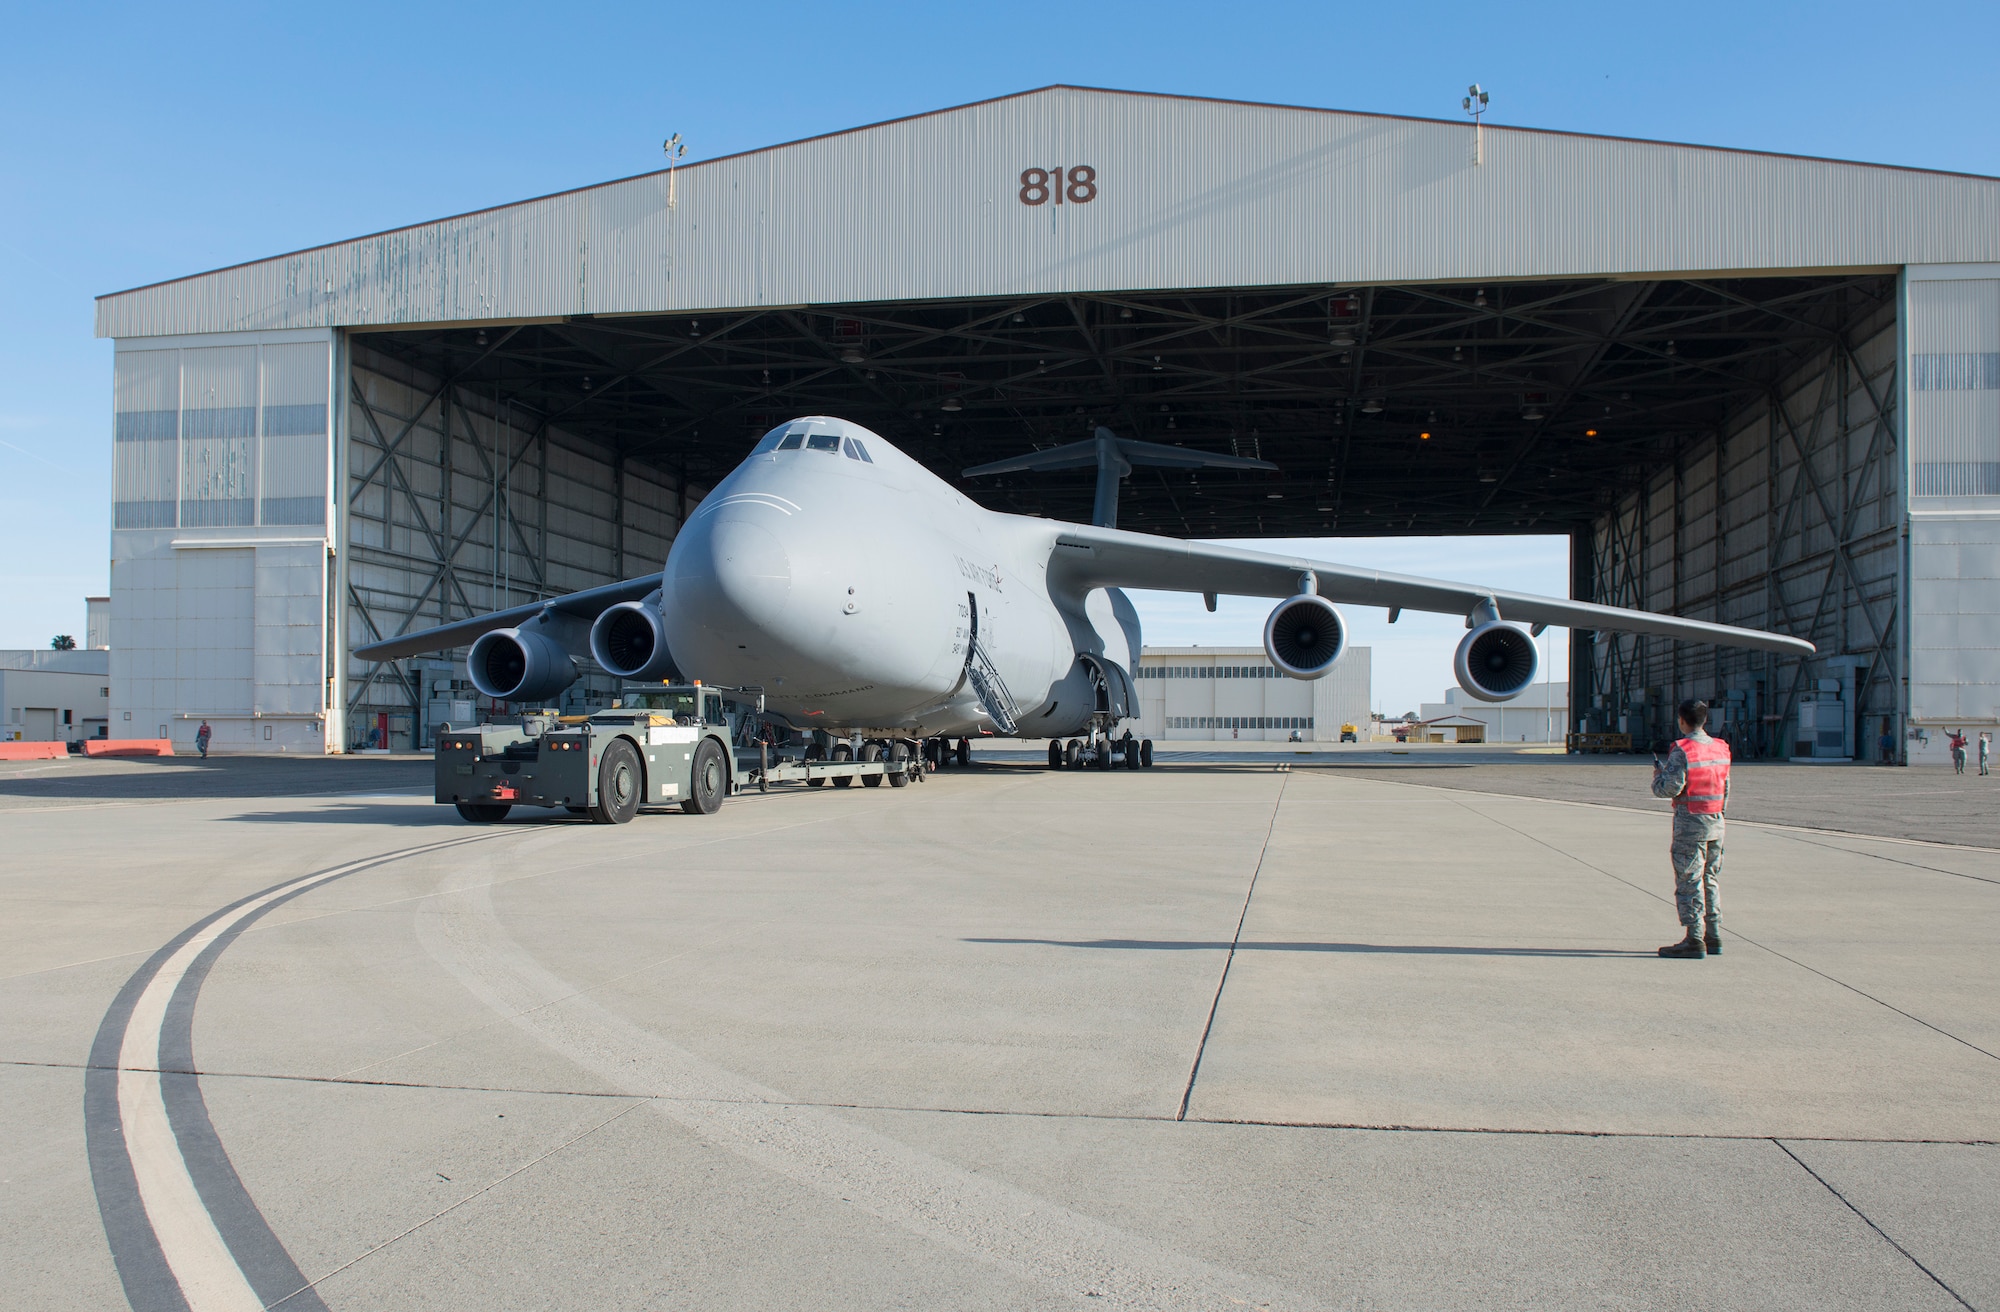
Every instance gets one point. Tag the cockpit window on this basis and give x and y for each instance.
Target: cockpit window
(856, 451)
(791, 442)
(824, 442)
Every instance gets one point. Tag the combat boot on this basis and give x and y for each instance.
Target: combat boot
(1712, 941)
(1691, 946)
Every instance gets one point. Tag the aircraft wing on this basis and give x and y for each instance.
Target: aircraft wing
(1086, 557)
(588, 604)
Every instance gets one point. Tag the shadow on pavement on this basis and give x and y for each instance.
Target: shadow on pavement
(129, 779)
(1197, 945)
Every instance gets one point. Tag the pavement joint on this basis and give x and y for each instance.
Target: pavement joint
(1869, 1221)
(1733, 933)
(484, 1189)
(1263, 850)
(1020, 1113)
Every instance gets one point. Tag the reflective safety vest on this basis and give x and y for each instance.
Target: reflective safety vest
(1708, 775)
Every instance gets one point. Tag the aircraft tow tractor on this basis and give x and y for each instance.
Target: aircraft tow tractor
(682, 744)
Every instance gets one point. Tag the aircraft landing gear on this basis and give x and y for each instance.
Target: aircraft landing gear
(1055, 754)
(842, 752)
(965, 751)
(1146, 754)
(1072, 755)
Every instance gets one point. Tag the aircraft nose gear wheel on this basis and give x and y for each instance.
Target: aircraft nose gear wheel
(842, 752)
(483, 813)
(1146, 754)
(813, 753)
(620, 783)
(965, 751)
(899, 763)
(871, 752)
(709, 782)
(1055, 755)
(1072, 755)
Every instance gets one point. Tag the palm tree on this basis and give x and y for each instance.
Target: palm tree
(62, 642)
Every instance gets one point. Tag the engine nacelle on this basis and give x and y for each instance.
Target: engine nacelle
(1496, 661)
(520, 665)
(1305, 636)
(629, 640)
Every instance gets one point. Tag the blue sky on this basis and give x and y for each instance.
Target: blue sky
(146, 142)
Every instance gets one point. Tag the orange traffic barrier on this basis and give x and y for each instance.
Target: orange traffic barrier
(127, 747)
(11, 751)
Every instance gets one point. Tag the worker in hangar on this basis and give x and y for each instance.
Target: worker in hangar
(1695, 775)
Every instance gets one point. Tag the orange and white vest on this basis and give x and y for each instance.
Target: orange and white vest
(1708, 775)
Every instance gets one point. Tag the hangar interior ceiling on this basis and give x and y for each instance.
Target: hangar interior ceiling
(1539, 399)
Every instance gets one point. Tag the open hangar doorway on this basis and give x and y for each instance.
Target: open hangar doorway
(1719, 447)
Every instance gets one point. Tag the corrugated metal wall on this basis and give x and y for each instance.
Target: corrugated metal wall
(423, 515)
(1183, 193)
(1788, 519)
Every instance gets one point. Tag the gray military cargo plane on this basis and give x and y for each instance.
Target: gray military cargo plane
(866, 597)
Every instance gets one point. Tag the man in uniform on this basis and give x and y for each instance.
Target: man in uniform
(1696, 776)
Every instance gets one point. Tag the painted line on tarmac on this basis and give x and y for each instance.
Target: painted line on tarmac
(1026, 1235)
(184, 1233)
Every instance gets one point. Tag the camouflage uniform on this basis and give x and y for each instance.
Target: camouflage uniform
(1697, 848)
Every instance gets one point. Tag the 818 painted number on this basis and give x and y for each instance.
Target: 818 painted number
(1078, 188)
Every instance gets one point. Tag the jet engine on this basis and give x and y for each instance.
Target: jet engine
(1305, 636)
(520, 665)
(1496, 661)
(629, 641)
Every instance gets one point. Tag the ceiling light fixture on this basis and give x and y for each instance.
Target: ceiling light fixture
(1590, 432)
(1372, 406)
(852, 355)
(1124, 311)
(1479, 299)
(1533, 413)
(951, 405)
(1342, 338)
(1458, 353)
(1671, 348)
(481, 339)
(694, 328)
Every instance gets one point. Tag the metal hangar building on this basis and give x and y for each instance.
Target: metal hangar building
(1753, 388)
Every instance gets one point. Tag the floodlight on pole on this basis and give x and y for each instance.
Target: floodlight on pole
(1474, 104)
(675, 148)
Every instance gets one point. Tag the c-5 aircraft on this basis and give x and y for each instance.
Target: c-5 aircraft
(866, 597)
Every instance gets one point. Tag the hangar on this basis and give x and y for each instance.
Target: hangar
(1752, 388)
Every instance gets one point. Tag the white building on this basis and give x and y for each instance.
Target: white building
(1214, 694)
(55, 696)
(1538, 715)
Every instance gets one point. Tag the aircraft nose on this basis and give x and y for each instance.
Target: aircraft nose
(742, 569)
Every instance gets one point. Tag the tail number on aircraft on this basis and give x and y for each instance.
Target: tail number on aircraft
(1079, 188)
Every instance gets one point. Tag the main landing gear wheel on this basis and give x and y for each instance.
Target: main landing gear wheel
(813, 753)
(1055, 754)
(1104, 754)
(483, 813)
(1131, 752)
(708, 782)
(1072, 754)
(901, 768)
(871, 752)
(842, 752)
(1146, 754)
(620, 784)
(965, 751)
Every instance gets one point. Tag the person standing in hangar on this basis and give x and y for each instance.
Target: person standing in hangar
(1696, 776)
